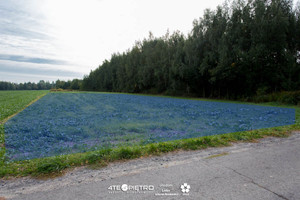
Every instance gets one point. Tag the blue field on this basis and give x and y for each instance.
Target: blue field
(62, 123)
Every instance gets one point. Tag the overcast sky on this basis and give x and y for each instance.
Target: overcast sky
(66, 39)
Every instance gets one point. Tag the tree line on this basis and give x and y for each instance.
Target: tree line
(41, 85)
(75, 84)
(241, 49)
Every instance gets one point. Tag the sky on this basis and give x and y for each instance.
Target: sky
(66, 39)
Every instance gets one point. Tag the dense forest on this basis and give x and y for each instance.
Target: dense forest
(239, 50)
(75, 84)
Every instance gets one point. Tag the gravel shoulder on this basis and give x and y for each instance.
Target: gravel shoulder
(268, 169)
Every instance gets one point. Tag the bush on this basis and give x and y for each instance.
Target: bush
(291, 97)
(56, 90)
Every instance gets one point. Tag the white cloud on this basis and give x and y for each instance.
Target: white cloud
(86, 32)
(41, 69)
(21, 78)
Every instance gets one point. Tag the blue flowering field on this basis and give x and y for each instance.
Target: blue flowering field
(62, 123)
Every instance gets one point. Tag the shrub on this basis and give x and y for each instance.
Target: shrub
(291, 97)
(56, 90)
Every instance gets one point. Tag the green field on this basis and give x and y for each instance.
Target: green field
(12, 102)
(15, 101)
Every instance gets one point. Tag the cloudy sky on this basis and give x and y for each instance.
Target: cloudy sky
(66, 39)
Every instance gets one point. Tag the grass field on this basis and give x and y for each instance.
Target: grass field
(12, 102)
(56, 164)
(64, 123)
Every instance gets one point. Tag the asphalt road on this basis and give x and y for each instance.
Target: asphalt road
(269, 169)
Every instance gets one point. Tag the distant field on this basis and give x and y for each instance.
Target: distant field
(14, 101)
(62, 123)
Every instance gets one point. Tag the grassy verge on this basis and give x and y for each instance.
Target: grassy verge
(52, 166)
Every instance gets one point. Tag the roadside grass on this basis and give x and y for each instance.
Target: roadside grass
(57, 165)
